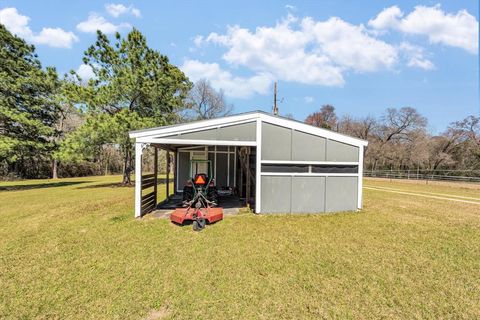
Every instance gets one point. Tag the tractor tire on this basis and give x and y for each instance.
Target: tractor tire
(195, 226)
(187, 193)
(199, 224)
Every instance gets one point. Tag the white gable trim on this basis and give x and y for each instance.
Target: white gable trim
(195, 126)
(312, 130)
(223, 125)
(196, 142)
(245, 118)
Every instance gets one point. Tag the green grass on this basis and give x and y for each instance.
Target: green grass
(71, 249)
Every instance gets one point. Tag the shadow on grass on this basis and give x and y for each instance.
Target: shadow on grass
(117, 185)
(18, 187)
(107, 185)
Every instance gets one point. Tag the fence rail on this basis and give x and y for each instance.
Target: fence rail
(438, 175)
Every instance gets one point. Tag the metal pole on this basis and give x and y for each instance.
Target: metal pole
(168, 175)
(247, 191)
(155, 174)
(275, 107)
(138, 180)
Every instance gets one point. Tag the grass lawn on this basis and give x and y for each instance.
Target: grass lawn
(71, 248)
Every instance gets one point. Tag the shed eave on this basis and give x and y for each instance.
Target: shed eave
(242, 118)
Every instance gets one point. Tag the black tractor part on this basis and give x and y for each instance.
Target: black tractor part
(207, 189)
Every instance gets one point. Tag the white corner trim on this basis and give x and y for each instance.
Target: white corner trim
(258, 178)
(360, 178)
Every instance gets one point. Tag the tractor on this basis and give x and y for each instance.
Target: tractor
(199, 203)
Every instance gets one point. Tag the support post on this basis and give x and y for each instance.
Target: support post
(138, 180)
(168, 175)
(247, 187)
(175, 172)
(258, 168)
(155, 174)
(360, 176)
(240, 181)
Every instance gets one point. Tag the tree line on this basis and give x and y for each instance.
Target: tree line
(53, 126)
(62, 126)
(399, 139)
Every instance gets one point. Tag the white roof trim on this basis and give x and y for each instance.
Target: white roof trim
(195, 126)
(196, 142)
(299, 126)
(143, 135)
(183, 131)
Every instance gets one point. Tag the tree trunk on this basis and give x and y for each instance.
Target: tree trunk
(54, 169)
(126, 167)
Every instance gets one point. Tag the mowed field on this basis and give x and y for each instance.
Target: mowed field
(71, 249)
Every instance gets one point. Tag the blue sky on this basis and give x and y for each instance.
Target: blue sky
(360, 56)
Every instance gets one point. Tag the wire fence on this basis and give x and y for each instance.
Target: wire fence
(472, 176)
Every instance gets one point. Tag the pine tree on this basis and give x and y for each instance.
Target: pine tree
(28, 110)
(134, 87)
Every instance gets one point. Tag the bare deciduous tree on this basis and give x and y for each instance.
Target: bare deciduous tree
(325, 118)
(398, 124)
(206, 103)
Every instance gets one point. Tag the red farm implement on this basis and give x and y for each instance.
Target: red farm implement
(199, 201)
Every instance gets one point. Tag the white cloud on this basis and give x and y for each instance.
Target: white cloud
(388, 18)
(96, 22)
(18, 24)
(322, 52)
(198, 40)
(234, 87)
(56, 37)
(85, 72)
(350, 46)
(308, 99)
(457, 30)
(116, 10)
(308, 51)
(290, 7)
(15, 22)
(415, 56)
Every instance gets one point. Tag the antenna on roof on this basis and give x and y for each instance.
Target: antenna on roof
(275, 107)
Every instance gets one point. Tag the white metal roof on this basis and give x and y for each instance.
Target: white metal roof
(146, 135)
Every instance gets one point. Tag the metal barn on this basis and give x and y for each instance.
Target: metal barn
(275, 164)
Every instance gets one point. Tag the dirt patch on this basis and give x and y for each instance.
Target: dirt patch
(161, 313)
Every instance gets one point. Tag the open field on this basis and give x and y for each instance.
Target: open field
(70, 248)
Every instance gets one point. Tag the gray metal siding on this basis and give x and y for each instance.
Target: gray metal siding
(279, 143)
(222, 170)
(232, 169)
(183, 169)
(341, 194)
(276, 142)
(307, 147)
(337, 151)
(238, 132)
(308, 194)
(285, 194)
(276, 194)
